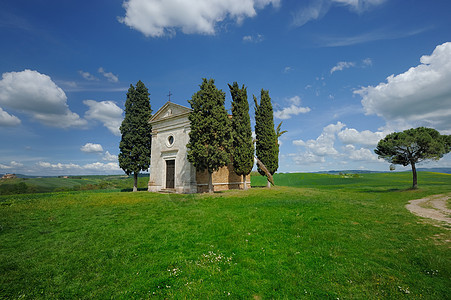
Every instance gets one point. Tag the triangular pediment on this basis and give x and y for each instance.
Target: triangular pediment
(170, 110)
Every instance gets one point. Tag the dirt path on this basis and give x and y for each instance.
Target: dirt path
(432, 207)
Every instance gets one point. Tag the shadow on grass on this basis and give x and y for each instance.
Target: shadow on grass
(131, 190)
(385, 190)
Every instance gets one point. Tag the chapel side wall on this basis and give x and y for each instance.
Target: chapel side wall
(185, 181)
(223, 179)
(155, 181)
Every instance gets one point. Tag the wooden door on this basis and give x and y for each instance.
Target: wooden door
(170, 174)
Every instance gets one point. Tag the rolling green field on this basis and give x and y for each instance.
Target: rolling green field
(312, 236)
(73, 183)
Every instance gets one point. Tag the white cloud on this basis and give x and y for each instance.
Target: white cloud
(8, 120)
(87, 75)
(362, 154)
(57, 166)
(91, 148)
(377, 35)
(366, 137)
(92, 168)
(253, 38)
(341, 66)
(106, 112)
(360, 5)
(12, 165)
(367, 62)
(156, 18)
(293, 109)
(110, 157)
(317, 9)
(420, 96)
(36, 94)
(324, 147)
(110, 76)
(324, 144)
(103, 167)
(288, 69)
(307, 158)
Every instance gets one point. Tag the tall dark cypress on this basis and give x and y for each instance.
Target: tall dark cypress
(136, 130)
(267, 149)
(210, 136)
(243, 147)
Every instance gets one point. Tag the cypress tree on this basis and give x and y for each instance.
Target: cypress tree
(210, 135)
(243, 147)
(267, 149)
(136, 130)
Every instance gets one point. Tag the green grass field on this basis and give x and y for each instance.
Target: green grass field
(312, 236)
(73, 183)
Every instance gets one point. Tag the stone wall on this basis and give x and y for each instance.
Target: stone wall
(224, 179)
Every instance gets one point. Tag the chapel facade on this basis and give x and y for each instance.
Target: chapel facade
(170, 169)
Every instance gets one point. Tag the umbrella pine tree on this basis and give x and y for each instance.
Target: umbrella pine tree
(412, 146)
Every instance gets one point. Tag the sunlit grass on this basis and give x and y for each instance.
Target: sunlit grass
(319, 236)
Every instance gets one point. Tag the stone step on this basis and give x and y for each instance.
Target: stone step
(168, 191)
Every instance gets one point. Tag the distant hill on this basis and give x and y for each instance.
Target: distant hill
(436, 170)
(335, 172)
(28, 176)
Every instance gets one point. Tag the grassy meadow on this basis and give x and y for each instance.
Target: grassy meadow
(72, 183)
(312, 236)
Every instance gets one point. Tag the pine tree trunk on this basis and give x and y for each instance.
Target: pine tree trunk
(210, 182)
(244, 182)
(268, 184)
(414, 174)
(135, 184)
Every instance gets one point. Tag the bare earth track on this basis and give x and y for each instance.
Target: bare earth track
(432, 207)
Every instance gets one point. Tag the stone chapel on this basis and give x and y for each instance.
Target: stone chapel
(170, 169)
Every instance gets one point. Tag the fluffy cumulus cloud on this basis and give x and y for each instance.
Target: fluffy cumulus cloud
(102, 167)
(91, 148)
(106, 112)
(12, 165)
(420, 96)
(324, 144)
(70, 168)
(156, 18)
(317, 9)
(57, 166)
(109, 157)
(293, 110)
(355, 146)
(8, 120)
(37, 95)
(307, 158)
(366, 137)
(361, 154)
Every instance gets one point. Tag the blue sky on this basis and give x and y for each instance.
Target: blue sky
(341, 74)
